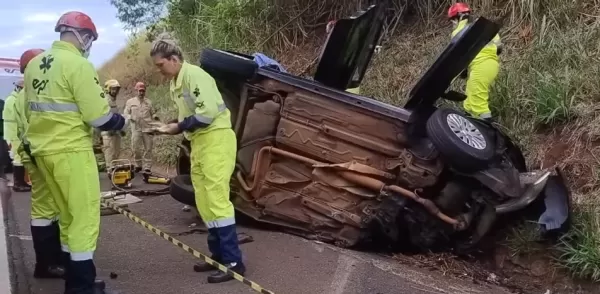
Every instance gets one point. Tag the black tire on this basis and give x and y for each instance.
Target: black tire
(454, 150)
(181, 189)
(228, 64)
(183, 166)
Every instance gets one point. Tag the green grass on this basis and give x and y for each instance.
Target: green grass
(522, 240)
(580, 248)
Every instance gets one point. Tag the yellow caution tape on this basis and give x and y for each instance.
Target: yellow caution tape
(256, 287)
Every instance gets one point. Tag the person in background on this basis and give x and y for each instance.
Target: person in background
(141, 113)
(483, 70)
(10, 135)
(45, 232)
(97, 146)
(111, 140)
(205, 121)
(65, 102)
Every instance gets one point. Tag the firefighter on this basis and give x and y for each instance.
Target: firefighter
(45, 231)
(205, 122)
(10, 135)
(111, 140)
(141, 113)
(483, 70)
(97, 146)
(65, 101)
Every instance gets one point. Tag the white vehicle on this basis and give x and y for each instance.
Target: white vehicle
(9, 74)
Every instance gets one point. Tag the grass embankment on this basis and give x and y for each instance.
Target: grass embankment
(545, 95)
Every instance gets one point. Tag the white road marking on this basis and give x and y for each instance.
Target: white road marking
(5, 286)
(419, 279)
(342, 274)
(22, 237)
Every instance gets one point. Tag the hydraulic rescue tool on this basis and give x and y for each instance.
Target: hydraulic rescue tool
(122, 173)
(152, 178)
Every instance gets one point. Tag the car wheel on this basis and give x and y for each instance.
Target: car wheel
(228, 64)
(183, 166)
(181, 189)
(464, 145)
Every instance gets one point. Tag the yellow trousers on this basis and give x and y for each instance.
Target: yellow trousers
(43, 208)
(72, 179)
(213, 161)
(481, 76)
(111, 147)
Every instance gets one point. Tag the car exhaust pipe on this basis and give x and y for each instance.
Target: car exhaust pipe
(531, 193)
(262, 160)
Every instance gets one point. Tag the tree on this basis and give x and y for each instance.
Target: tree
(136, 14)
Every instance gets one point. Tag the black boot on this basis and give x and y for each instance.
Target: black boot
(230, 254)
(81, 278)
(47, 265)
(66, 263)
(213, 246)
(220, 277)
(19, 180)
(203, 266)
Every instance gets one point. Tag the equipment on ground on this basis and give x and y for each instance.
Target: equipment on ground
(121, 173)
(152, 178)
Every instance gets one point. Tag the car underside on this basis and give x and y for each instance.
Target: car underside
(346, 169)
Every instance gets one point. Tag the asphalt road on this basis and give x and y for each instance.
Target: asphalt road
(147, 264)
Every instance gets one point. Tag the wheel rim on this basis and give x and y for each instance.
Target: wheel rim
(466, 131)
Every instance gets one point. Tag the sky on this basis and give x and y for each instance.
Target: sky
(26, 24)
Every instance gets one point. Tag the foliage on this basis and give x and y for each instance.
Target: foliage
(138, 13)
(580, 248)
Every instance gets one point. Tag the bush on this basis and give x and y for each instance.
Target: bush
(580, 248)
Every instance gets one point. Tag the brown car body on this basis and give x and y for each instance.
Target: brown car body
(342, 168)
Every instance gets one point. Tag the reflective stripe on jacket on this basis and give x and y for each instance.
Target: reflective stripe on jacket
(64, 101)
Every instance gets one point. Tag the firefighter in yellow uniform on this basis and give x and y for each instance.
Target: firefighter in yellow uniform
(45, 231)
(65, 101)
(141, 113)
(482, 71)
(111, 140)
(10, 135)
(205, 121)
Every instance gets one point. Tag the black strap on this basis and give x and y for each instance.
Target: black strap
(28, 151)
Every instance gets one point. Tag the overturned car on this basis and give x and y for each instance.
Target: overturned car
(330, 165)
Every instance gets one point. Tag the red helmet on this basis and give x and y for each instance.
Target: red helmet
(27, 56)
(78, 21)
(140, 86)
(457, 9)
